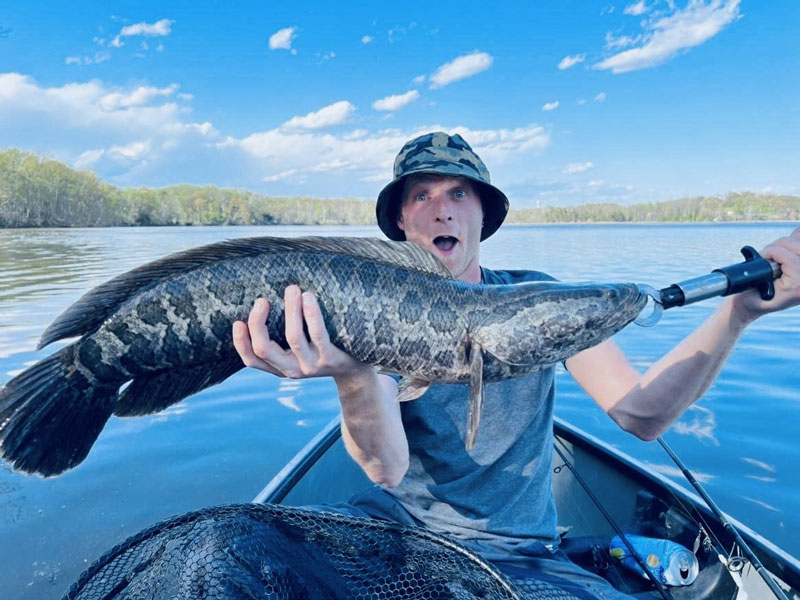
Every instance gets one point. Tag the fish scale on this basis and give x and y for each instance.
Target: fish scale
(164, 329)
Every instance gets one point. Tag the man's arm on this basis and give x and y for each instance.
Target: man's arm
(371, 425)
(647, 404)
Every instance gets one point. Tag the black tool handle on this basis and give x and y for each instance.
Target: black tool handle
(755, 272)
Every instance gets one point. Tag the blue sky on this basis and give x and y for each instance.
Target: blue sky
(566, 101)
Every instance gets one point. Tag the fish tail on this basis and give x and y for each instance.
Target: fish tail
(52, 413)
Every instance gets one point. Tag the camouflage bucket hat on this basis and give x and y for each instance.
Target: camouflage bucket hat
(441, 154)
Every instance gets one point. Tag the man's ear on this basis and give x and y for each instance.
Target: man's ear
(400, 223)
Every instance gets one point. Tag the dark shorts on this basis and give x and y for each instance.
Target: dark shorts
(533, 568)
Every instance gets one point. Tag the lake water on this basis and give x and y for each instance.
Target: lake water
(224, 444)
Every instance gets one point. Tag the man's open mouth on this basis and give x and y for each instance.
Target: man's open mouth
(445, 242)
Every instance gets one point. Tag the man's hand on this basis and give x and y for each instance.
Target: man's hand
(314, 357)
(786, 252)
(372, 428)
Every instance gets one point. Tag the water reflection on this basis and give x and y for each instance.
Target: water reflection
(762, 504)
(758, 463)
(675, 473)
(701, 427)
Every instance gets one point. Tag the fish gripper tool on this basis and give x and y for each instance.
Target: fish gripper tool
(755, 272)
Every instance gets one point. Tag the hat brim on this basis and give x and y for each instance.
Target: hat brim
(494, 202)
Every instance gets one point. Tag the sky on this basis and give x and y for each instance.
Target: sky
(566, 101)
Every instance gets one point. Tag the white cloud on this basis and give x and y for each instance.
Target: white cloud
(636, 9)
(366, 39)
(495, 145)
(101, 56)
(369, 157)
(334, 165)
(395, 102)
(550, 105)
(328, 116)
(356, 134)
(282, 39)
(145, 135)
(621, 42)
(399, 32)
(279, 176)
(600, 97)
(88, 158)
(573, 168)
(132, 151)
(571, 61)
(138, 97)
(158, 29)
(418, 80)
(114, 130)
(665, 37)
(461, 68)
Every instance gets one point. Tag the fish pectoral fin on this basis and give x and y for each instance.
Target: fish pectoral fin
(411, 389)
(152, 392)
(475, 393)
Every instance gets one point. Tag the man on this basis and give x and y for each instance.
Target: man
(496, 498)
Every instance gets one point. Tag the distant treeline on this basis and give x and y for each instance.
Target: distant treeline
(38, 192)
(745, 206)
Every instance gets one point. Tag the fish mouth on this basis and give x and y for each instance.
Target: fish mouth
(445, 243)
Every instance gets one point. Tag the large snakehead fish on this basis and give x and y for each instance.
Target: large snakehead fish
(165, 330)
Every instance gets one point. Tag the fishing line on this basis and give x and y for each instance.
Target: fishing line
(661, 589)
(751, 556)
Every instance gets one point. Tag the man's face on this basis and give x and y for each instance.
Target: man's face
(444, 215)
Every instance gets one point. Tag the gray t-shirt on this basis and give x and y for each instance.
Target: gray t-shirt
(501, 492)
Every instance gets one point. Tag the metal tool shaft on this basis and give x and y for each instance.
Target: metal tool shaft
(708, 286)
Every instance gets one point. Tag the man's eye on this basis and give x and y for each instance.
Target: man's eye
(421, 197)
(460, 194)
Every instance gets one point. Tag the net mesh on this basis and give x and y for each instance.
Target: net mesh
(279, 552)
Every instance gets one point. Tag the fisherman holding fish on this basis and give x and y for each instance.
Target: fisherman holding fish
(496, 498)
(425, 310)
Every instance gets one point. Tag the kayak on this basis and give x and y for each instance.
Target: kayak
(600, 493)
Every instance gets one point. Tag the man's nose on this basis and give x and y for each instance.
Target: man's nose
(442, 209)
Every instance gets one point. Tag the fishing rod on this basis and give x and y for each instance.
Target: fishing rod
(755, 272)
(751, 556)
(662, 590)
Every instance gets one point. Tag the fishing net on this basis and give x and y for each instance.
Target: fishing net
(279, 552)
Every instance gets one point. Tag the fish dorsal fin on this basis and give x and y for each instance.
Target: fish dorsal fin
(406, 255)
(94, 307)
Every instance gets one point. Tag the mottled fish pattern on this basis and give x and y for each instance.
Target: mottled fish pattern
(164, 329)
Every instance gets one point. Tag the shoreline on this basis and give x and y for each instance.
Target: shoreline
(505, 225)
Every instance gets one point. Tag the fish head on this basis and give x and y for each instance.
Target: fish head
(541, 323)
